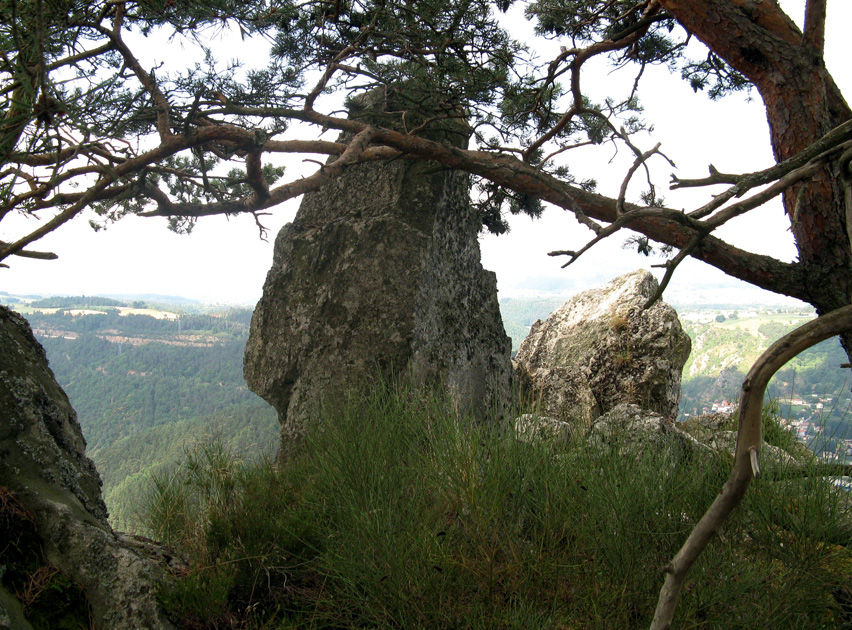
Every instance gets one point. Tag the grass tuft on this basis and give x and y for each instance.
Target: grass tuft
(399, 514)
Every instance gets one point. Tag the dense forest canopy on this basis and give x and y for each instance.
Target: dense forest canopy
(86, 124)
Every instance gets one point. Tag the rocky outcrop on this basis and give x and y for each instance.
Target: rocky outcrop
(379, 274)
(635, 429)
(51, 511)
(632, 429)
(602, 349)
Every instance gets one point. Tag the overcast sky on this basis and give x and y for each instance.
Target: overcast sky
(223, 260)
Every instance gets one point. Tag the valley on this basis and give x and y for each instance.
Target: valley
(150, 380)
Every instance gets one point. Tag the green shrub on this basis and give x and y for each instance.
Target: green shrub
(397, 513)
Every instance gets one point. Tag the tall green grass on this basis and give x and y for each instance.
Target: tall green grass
(399, 514)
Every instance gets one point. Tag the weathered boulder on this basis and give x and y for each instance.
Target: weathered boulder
(602, 349)
(637, 429)
(640, 429)
(530, 427)
(717, 432)
(379, 274)
(51, 511)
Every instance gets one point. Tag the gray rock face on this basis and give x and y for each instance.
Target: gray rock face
(44, 468)
(601, 349)
(379, 273)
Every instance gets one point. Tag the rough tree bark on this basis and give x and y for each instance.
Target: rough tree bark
(802, 103)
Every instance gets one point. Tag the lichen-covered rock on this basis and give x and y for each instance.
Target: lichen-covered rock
(637, 429)
(561, 392)
(49, 486)
(379, 274)
(11, 612)
(605, 338)
(531, 427)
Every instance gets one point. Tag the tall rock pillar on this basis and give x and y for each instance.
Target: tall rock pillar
(380, 273)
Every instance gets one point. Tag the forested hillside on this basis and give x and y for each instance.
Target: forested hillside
(812, 392)
(519, 314)
(723, 351)
(149, 384)
(150, 380)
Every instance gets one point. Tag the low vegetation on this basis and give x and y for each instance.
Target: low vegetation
(399, 514)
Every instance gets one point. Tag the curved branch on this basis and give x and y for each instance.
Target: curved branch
(748, 447)
(270, 198)
(625, 218)
(26, 253)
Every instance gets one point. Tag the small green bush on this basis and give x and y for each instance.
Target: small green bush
(397, 513)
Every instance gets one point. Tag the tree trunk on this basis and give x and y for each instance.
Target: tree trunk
(802, 103)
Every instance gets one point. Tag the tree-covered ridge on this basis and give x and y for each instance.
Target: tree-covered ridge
(78, 301)
(124, 374)
(813, 387)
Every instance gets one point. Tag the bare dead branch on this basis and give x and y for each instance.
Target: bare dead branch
(262, 229)
(639, 161)
(715, 178)
(760, 198)
(823, 149)
(670, 266)
(635, 214)
(749, 439)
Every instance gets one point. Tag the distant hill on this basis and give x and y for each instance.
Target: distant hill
(812, 388)
(75, 301)
(148, 384)
(519, 314)
(150, 380)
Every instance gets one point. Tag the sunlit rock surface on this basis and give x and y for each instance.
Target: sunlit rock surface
(602, 349)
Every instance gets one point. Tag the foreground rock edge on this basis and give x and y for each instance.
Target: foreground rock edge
(44, 466)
